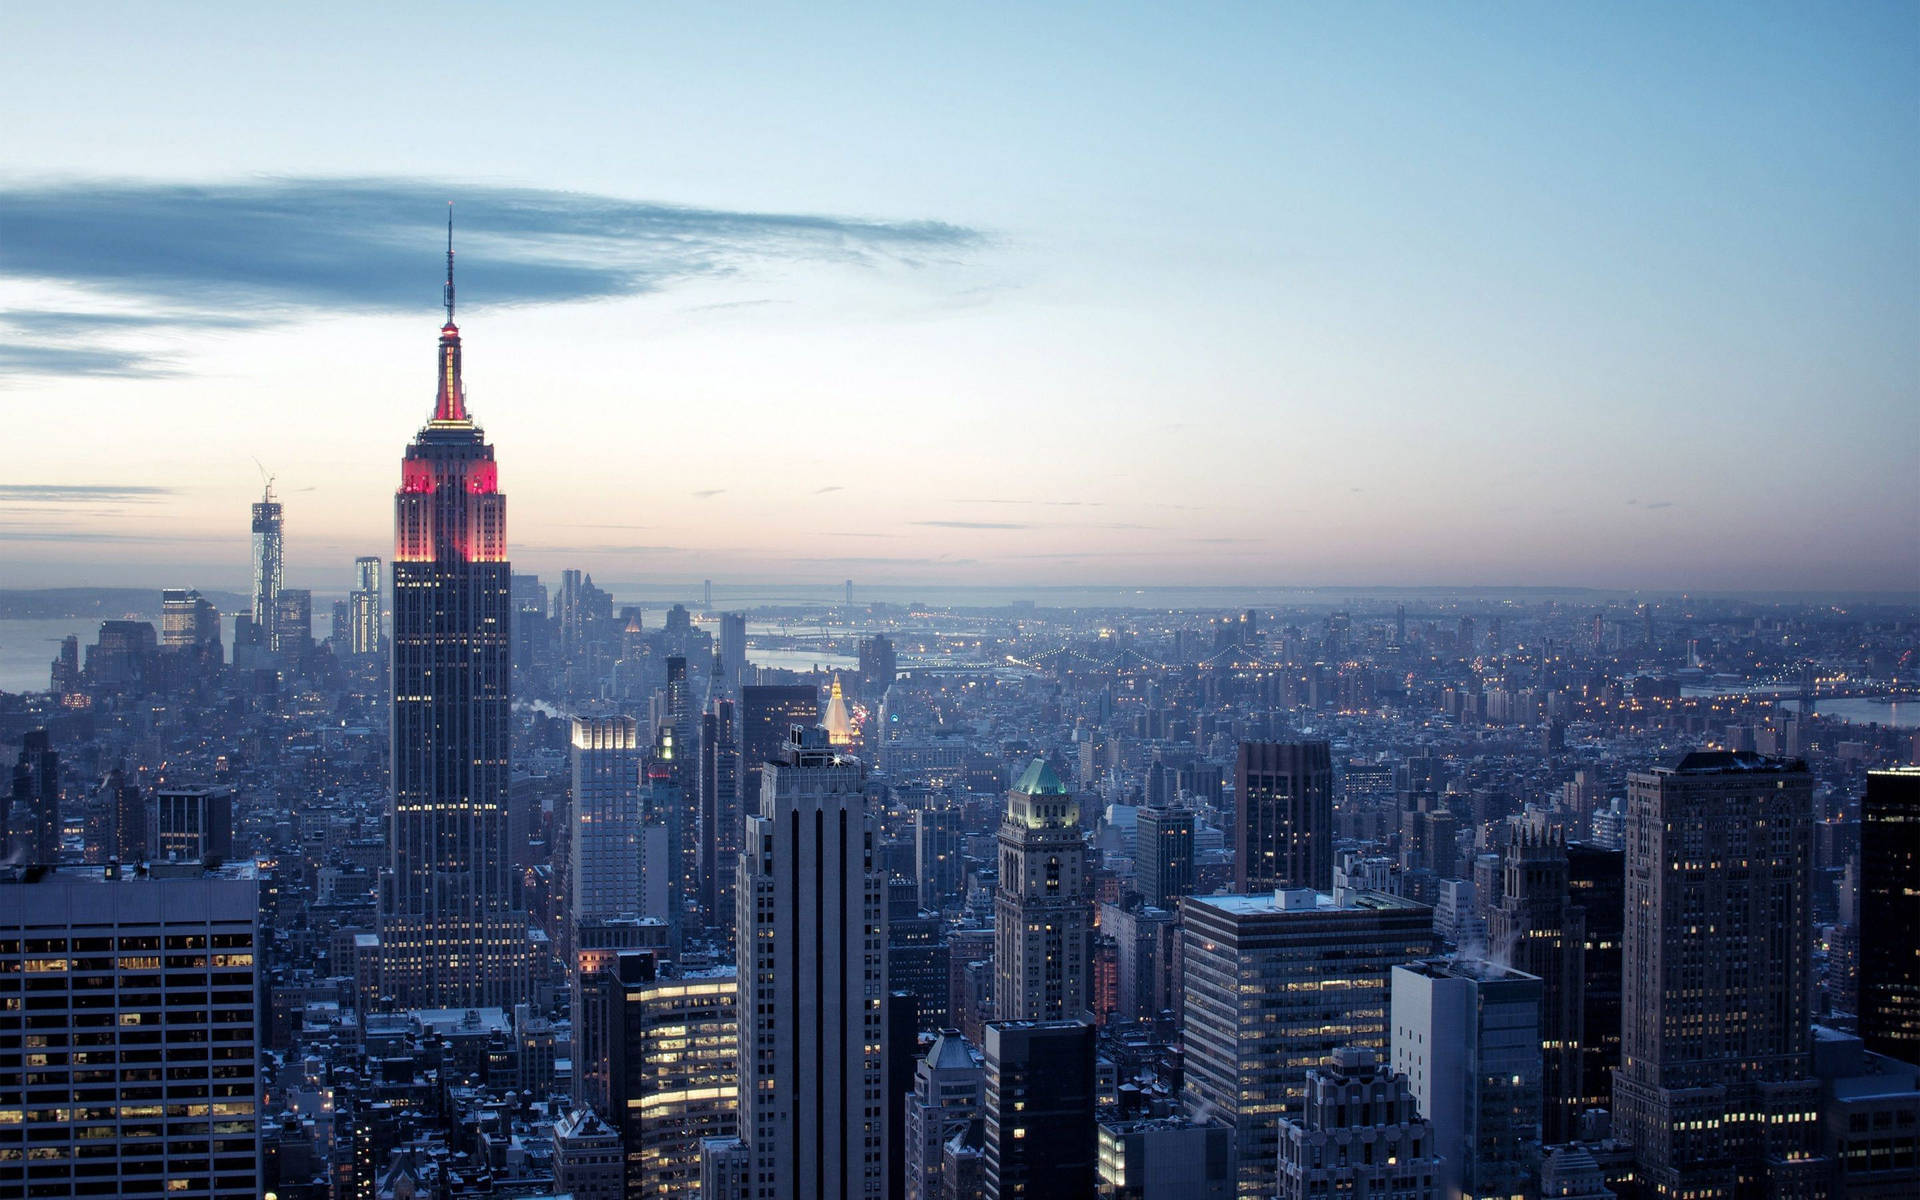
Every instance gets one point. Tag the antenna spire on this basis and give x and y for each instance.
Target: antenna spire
(448, 299)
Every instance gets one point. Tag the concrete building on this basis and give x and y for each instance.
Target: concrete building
(1890, 914)
(949, 1091)
(1274, 983)
(1043, 919)
(136, 996)
(1715, 1087)
(1040, 1101)
(587, 1157)
(192, 824)
(1283, 819)
(1163, 855)
(1466, 1034)
(1166, 1158)
(1359, 1134)
(810, 939)
(1538, 930)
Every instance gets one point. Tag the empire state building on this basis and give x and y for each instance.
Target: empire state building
(453, 930)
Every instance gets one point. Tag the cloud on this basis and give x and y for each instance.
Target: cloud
(1035, 503)
(18, 359)
(708, 493)
(972, 525)
(82, 493)
(278, 249)
(832, 487)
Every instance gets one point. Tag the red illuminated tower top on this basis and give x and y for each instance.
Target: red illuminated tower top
(452, 402)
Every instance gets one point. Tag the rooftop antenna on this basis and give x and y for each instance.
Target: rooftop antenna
(449, 292)
(266, 478)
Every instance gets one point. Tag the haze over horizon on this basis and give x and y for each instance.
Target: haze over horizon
(1268, 298)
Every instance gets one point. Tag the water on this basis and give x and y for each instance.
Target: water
(1900, 714)
(28, 648)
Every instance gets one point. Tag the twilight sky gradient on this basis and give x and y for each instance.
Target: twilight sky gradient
(1106, 294)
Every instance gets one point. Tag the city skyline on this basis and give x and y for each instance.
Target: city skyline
(1289, 299)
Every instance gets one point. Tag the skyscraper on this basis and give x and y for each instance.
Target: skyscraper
(269, 564)
(1283, 819)
(1715, 1087)
(719, 798)
(810, 939)
(140, 997)
(192, 824)
(666, 1067)
(1163, 855)
(1889, 908)
(603, 862)
(30, 821)
(364, 617)
(1040, 1099)
(452, 929)
(1536, 930)
(949, 1087)
(1466, 1034)
(733, 646)
(187, 618)
(1275, 982)
(1043, 919)
(767, 717)
(1358, 1133)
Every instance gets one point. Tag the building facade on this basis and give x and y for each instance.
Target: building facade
(1040, 1100)
(1715, 1087)
(1274, 983)
(1358, 1134)
(136, 999)
(1283, 816)
(1043, 920)
(810, 937)
(1890, 914)
(453, 931)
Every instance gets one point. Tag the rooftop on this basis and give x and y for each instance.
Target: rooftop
(1323, 902)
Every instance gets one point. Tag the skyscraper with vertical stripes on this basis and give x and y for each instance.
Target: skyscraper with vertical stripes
(453, 931)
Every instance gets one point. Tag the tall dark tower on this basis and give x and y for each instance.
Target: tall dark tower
(1536, 929)
(1889, 941)
(1283, 826)
(453, 932)
(1715, 1087)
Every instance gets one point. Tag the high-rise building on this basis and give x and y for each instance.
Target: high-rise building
(939, 865)
(1715, 1087)
(1041, 1093)
(1466, 1034)
(1165, 1158)
(1163, 855)
(187, 618)
(665, 1051)
(364, 617)
(269, 564)
(453, 932)
(292, 633)
(1890, 914)
(588, 1162)
(130, 834)
(720, 819)
(1275, 982)
(192, 824)
(1358, 1133)
(1283, 819)
(1536, 930)
(1043, 915)
(127, 978)
(949, 1089)
(878, 665)
(733, 646)
(604, 819)
(767, 717)
(30, 819)
(810, 936)
(1597, 883)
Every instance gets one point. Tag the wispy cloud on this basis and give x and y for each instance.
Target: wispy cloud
(832, 487)
(708, 493)
(82, 493)
(972, 525)
(235, 255)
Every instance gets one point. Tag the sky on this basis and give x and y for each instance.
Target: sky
(1607, 295)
